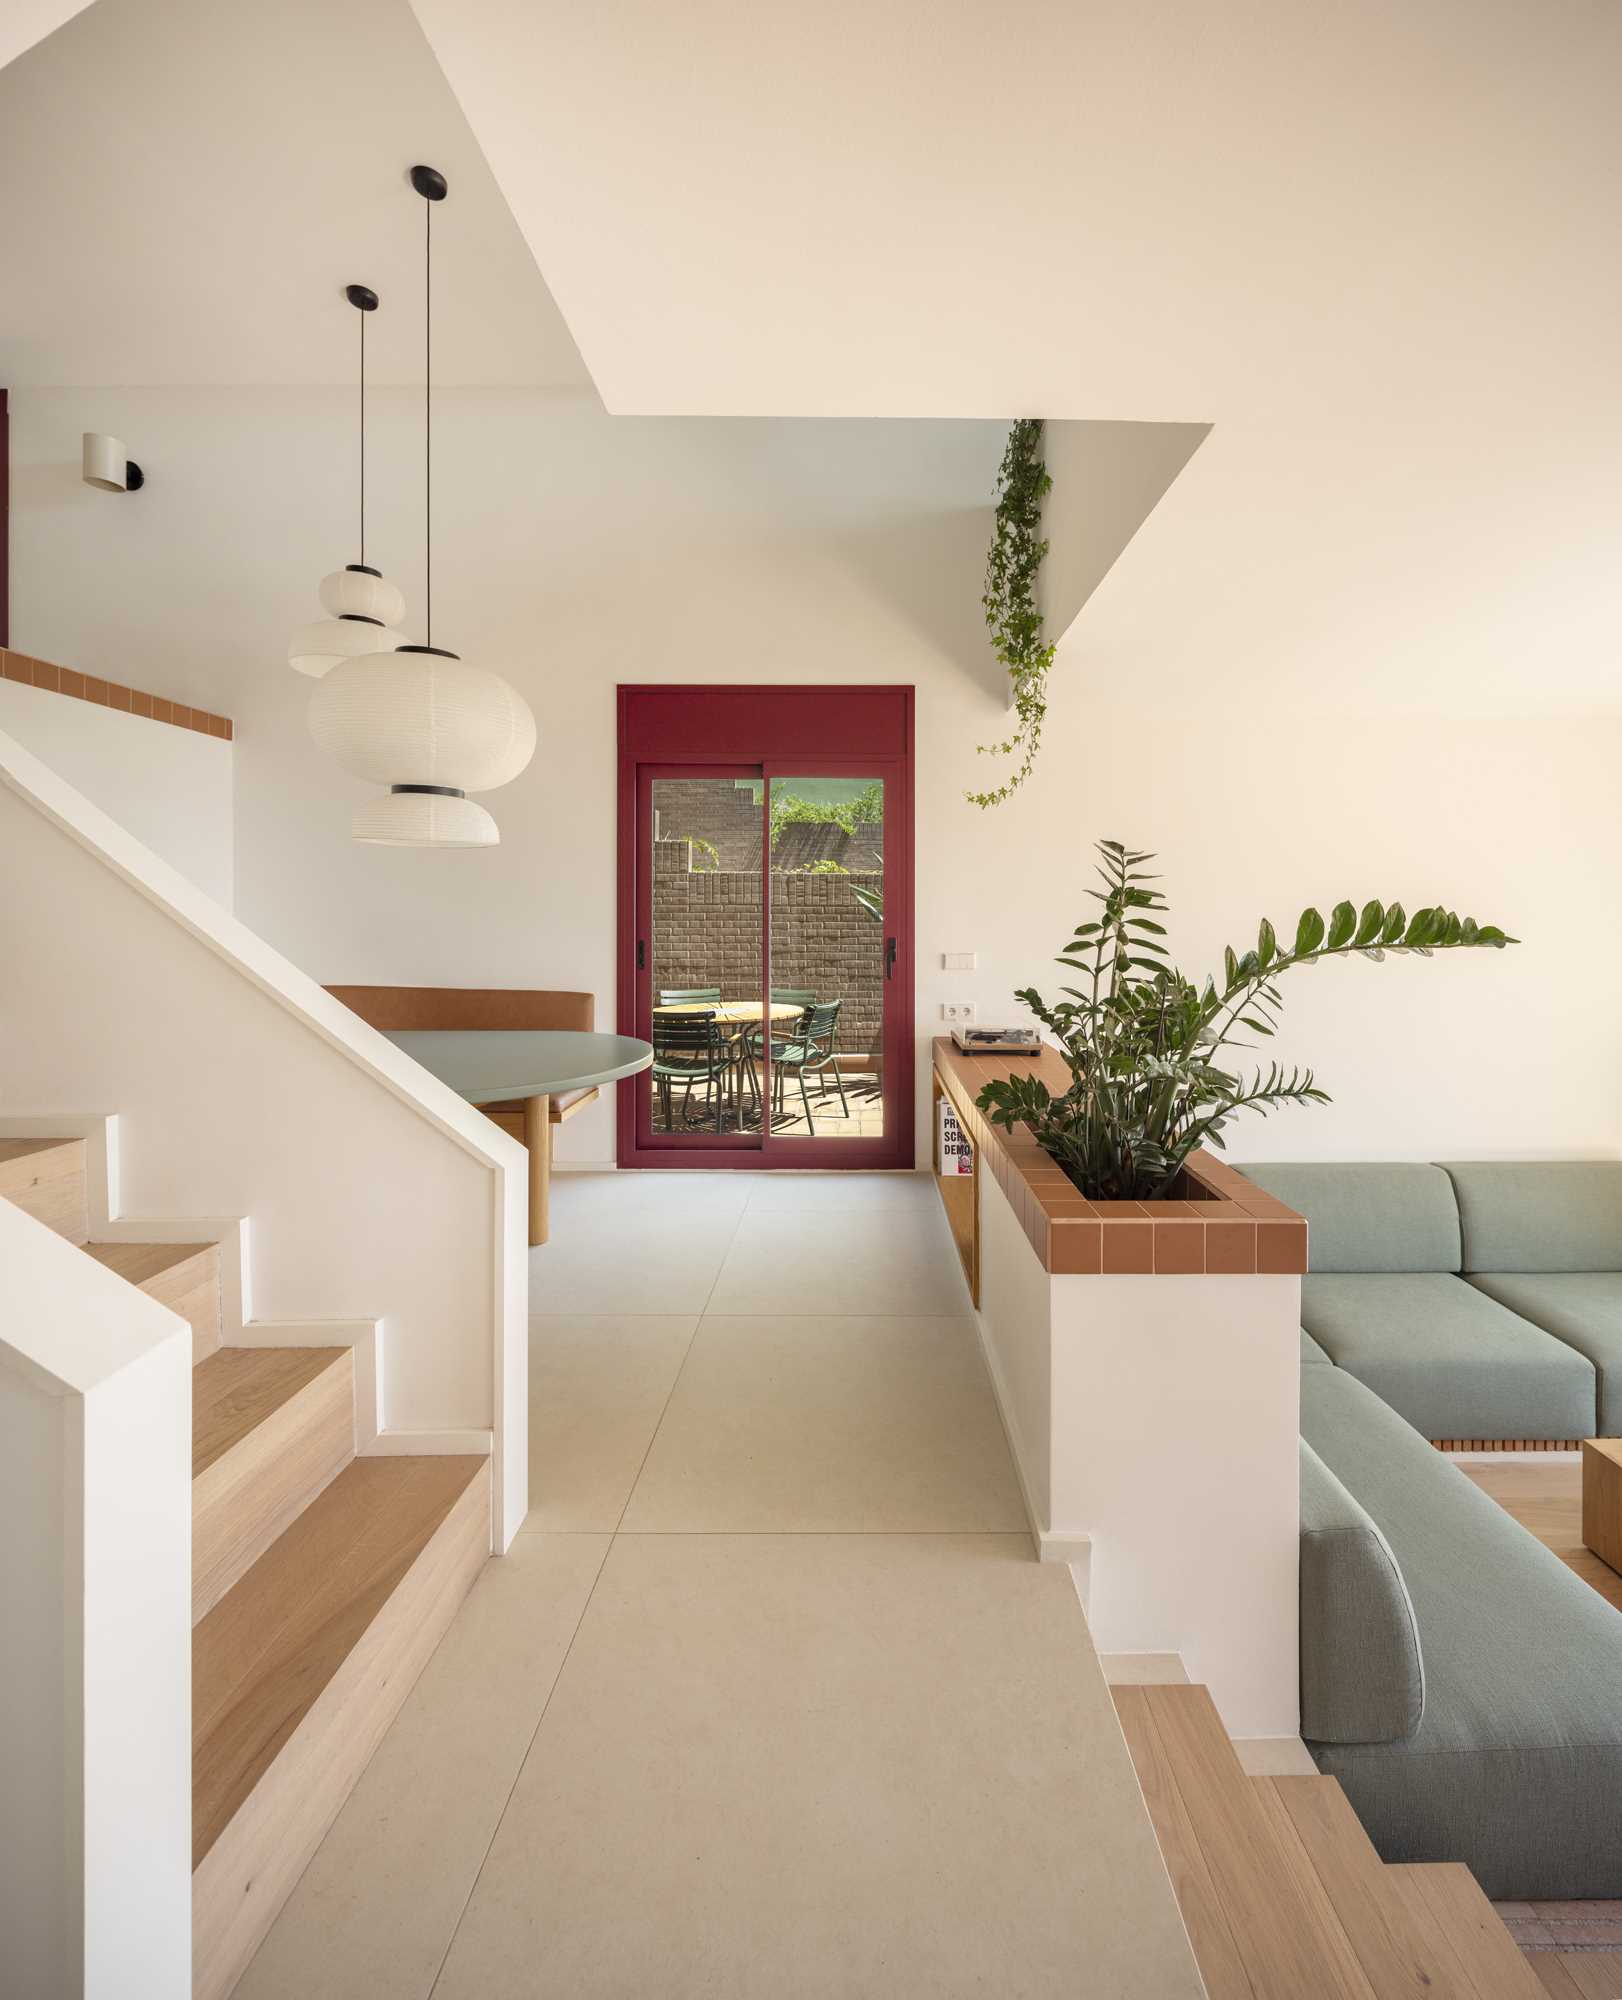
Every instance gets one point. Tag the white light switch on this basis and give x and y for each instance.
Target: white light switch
(958, 961)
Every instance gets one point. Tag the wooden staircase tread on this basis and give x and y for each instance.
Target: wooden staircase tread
(236, 1388)
(265, 1652)
(1389, 1946)
(13, 1151)
(137, 1263)
(1284, 1931)
(1215, 1952)
(1446, 1904)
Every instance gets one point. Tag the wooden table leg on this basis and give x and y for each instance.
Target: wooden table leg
(538, 1138)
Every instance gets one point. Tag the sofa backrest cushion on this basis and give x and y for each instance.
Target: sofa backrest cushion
(1369, 1217)
(1540, 1215)
(1362, 1669)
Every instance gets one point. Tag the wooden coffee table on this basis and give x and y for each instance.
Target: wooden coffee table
(1602, 1499)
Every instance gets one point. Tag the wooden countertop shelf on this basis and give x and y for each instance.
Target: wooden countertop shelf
(1221, 1225)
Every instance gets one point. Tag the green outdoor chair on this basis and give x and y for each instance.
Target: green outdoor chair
(689, 1050)
(688, 996)
(810, 1048)
(781, 996)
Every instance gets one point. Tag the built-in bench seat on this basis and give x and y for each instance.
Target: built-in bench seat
(1463, 1685)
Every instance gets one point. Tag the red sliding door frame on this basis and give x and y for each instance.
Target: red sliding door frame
(796, 731)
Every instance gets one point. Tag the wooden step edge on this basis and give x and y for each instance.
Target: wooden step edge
(46, 1178)
(185, 1277)
(240, 1885)
(1285, 1932)
(247, 1494)
(1210, 1936)
(1389, 1947)
(1330, 1934)
(1446, 1904)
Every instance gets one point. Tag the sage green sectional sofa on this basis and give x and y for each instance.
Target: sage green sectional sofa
(1479, 1301)
(1463, 1685)
(1459, 1680)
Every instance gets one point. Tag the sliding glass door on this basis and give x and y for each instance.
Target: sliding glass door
(766, 942)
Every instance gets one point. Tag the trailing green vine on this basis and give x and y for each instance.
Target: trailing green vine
(1015, 624)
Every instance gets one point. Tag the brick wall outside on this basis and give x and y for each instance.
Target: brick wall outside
(716, 812)
(706, 932)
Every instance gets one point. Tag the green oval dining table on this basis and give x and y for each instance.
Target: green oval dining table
(492, 1066)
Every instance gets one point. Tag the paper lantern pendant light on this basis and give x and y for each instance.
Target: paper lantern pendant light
(419, 719)
(363, 609)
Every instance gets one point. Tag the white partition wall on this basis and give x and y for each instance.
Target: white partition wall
(1155, 1418)
(95, 1643)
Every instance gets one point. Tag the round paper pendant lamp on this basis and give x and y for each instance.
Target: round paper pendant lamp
(424, 819)
(361, 592)
(415, 717)
(318, 648)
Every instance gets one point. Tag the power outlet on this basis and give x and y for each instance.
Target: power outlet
(959, 1012)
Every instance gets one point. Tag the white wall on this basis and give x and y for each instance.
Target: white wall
(574, 551)
(95, 1570)
(170, 787)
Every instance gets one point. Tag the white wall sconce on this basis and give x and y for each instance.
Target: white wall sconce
(106, 466)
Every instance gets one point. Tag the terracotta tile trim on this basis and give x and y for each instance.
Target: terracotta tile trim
(111, 694)
(1225, 1226)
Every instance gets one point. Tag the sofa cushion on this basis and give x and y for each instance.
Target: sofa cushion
(1367, 1217)
(1516, 1766)
(1453, 1362)
(1362, 1671)
(1582, 1308)
(1310, 1350)
(1540, 1215)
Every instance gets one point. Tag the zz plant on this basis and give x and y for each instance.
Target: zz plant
(1145, 1046)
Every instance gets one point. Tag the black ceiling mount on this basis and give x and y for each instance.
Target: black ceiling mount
(430, 183)
(362, 297)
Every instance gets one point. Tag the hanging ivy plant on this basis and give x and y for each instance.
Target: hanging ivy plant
(1015, 624)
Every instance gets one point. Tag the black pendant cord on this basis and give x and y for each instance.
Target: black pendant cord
(363, 440)
(428, 409)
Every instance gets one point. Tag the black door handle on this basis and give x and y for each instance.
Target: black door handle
(641, 954)
(889, 958)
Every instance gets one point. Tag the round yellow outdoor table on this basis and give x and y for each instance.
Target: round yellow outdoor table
(735, 1013)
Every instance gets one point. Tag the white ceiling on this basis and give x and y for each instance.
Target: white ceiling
(26, 22)
(1375, 247)
(1134, 209)
(191, 183)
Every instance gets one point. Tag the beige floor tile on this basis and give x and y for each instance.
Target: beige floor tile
(1274, 1757)
(377, 1907)
(847, 1261)
(825, 1765)
(650, 1259)
(598, 1383)
(829, 1423)
(815, 1193)
(582, 1197)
